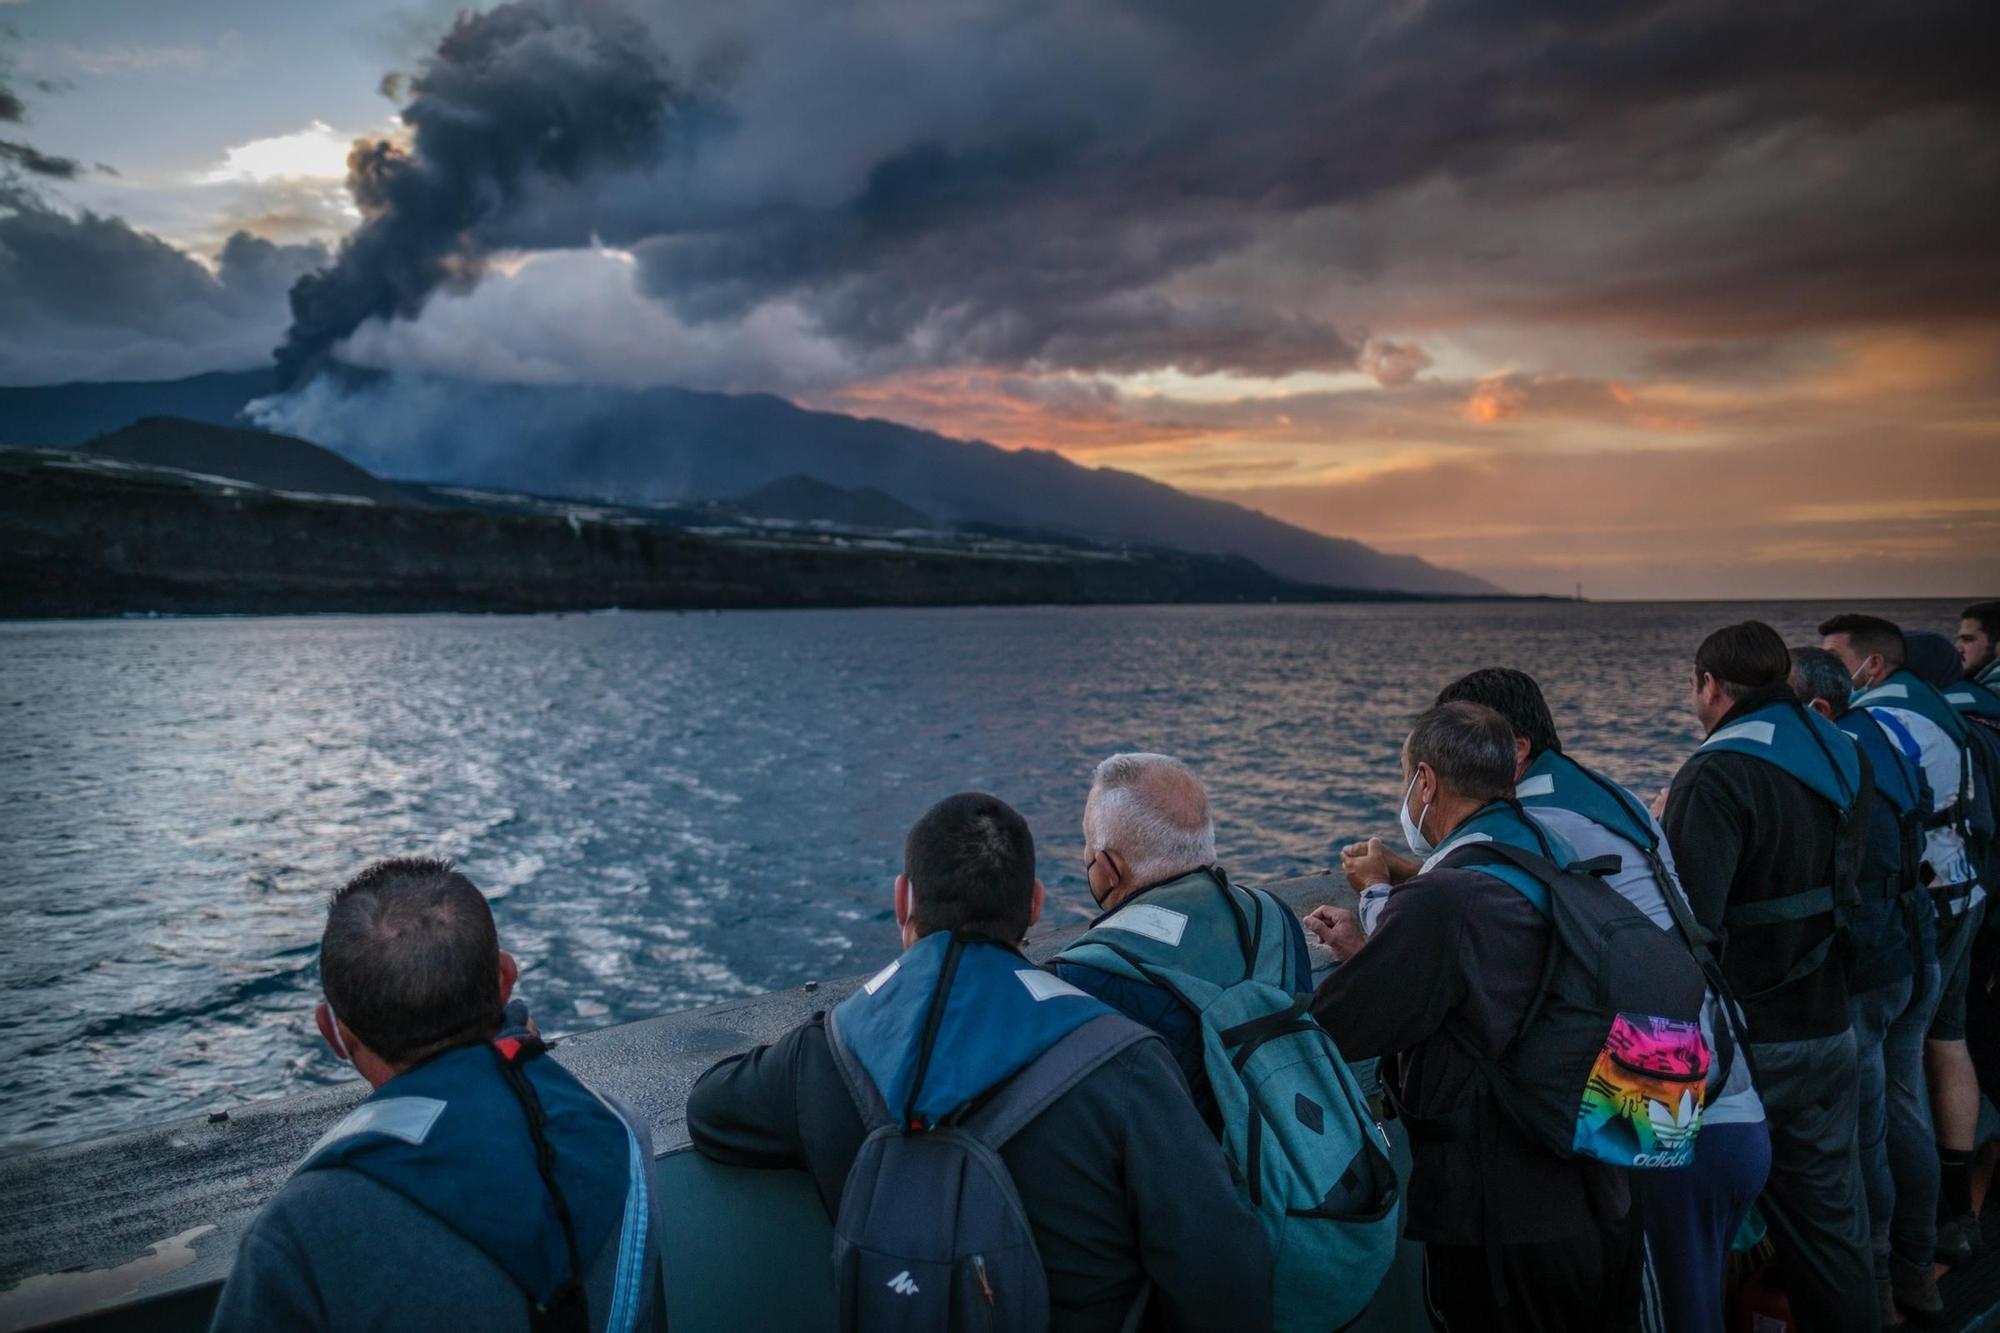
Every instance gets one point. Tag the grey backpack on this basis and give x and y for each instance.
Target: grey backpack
(931, 1234)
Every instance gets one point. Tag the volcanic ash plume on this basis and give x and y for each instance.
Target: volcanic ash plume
(534, 93)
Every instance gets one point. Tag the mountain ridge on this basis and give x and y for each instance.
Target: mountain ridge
(670, 444)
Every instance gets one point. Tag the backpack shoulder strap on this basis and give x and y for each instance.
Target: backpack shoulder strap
(1540, 869)
(867, 1097)
(1053, 1073)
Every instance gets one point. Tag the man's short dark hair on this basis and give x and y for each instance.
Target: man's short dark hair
(410, 960)
(1869, 635)
(1515, 696)
(1744, 657)
(1818, 674)
(1988, 616)
(971, 863)
(1469, 746)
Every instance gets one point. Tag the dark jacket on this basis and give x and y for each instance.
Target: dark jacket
(1743, 831)
(1893, 927)
(1120, 1179)
(1462, 948)
(1156, 1008)
(335, 1250)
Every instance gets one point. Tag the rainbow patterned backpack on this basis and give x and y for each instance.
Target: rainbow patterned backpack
(1609, 1062)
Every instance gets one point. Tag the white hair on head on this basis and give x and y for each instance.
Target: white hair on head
(1151, 810)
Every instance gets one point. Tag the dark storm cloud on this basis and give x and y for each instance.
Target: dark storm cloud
(36, 162)
(1051, 185)
(554, 90)
(17, 157)
(90, 297)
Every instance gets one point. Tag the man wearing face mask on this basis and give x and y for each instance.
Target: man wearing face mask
(1931, 732)
(508, 1194)
(1148, 839)
(1515, 1237)
(1767, 827)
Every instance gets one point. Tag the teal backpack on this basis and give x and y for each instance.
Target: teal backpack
(1297, 1131)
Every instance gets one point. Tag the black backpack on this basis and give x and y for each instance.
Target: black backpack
(1609, 1063)
(1982, 814)
(931, 1235)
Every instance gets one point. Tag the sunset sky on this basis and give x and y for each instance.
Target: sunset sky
(1672, 300)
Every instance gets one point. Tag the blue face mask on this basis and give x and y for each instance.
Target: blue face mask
(1413, 829)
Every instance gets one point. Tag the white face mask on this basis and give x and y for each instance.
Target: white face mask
(1855, 677)
(1413, 829)
(339, 1046)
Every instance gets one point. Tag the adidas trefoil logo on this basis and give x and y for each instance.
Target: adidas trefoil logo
(903, 1284)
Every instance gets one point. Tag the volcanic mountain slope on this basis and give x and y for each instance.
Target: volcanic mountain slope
(277, 462)
(667, 445)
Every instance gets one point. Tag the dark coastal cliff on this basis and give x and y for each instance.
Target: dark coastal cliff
(86, 537)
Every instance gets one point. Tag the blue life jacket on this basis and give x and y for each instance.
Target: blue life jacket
(1974, 697)
(1893, 920)
(941, 1025)
(1898, 780)
(452, 1137)
(1800, 742)
(1504, 822)
(1903, 689)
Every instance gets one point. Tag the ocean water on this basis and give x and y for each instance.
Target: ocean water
(668, 810)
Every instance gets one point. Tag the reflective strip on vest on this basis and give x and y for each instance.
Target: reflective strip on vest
(406, 1118)
(628, 1294)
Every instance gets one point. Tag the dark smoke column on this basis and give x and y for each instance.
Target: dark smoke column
(535, 90)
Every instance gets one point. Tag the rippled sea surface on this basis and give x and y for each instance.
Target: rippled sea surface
(667, 810)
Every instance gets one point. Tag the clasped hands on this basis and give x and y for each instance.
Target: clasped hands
(1365, 864)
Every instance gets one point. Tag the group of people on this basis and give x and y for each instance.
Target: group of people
(1620, 1038)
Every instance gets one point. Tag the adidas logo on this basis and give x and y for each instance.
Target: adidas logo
(903, 1284)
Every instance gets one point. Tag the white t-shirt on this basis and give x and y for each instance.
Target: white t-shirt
(1939, 756)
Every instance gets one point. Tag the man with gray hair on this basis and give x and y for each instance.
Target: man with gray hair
(1149, 858)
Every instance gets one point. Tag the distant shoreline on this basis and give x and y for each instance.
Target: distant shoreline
(84, 542)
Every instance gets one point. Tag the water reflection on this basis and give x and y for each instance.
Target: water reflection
(667, 809)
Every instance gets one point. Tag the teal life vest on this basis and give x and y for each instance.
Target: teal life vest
(1904, 690)
(1800, 742)
(1979, 706)
(1555, 781)
(1898, 780)
(453, 1137)
(1296, 1127)
(1504, 822)
(1824, 758)
(942, 1024)
(1974, 698)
